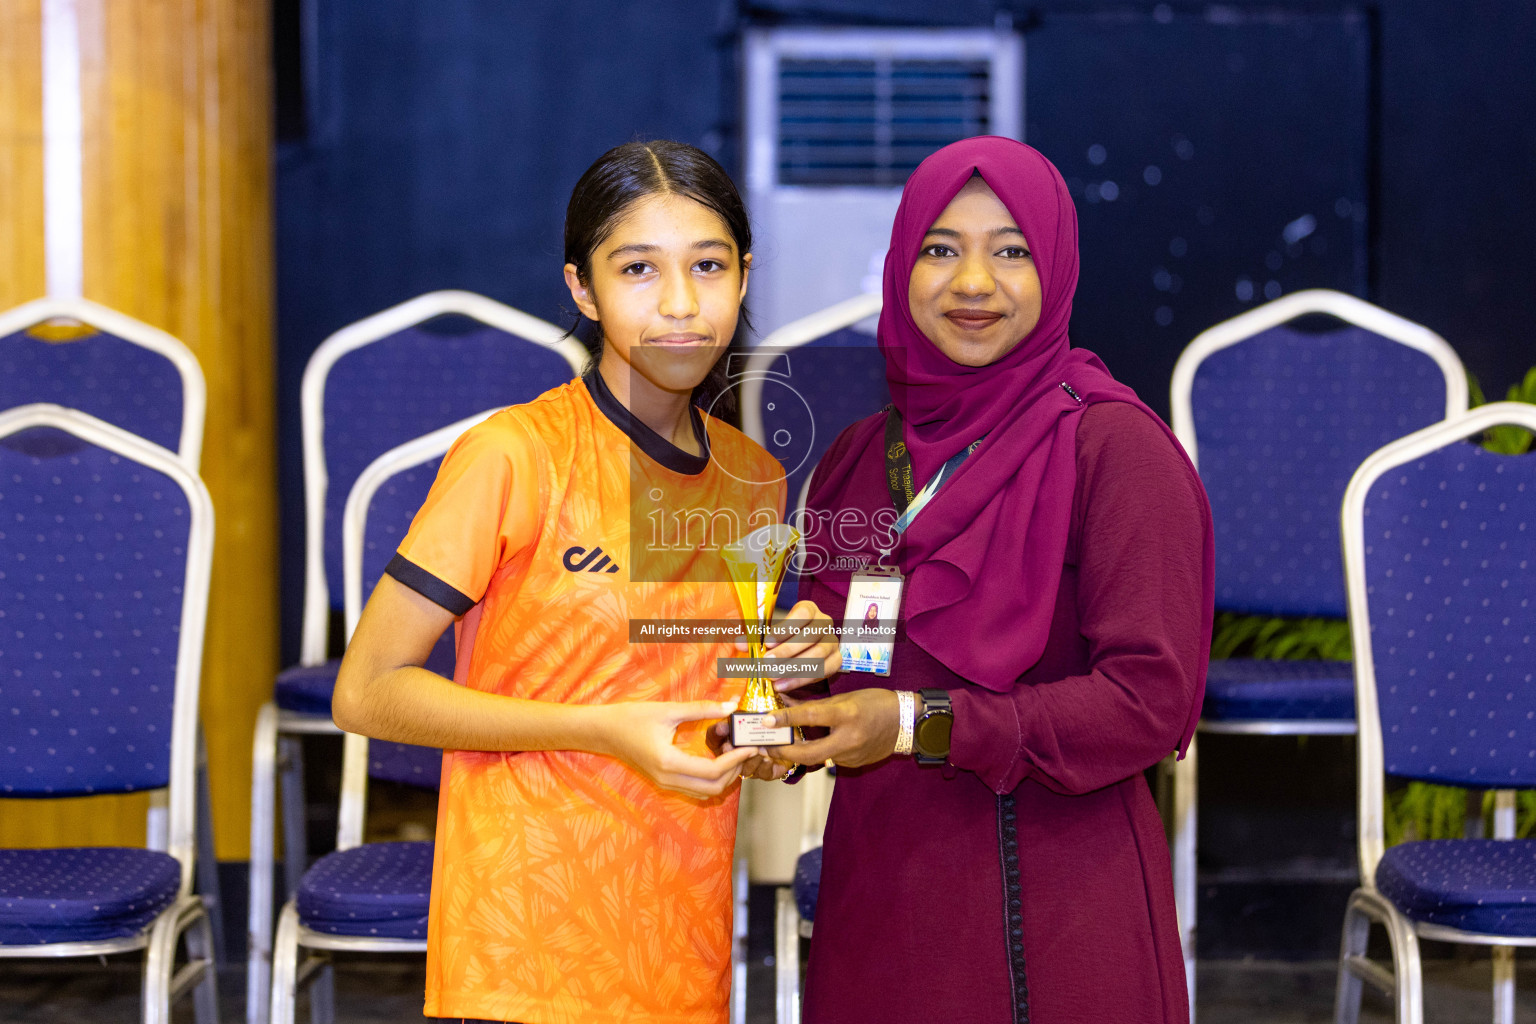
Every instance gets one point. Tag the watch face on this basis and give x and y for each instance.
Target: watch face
(931, 736)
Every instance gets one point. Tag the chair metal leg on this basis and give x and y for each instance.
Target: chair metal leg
(786, 957)
(202, 941)
(163, 984)
(295, 833)
(258, 962)
(1351, 986)
(322, 995)
(207, 854)
(1409, 971)
(740, 890)
(159, 958)
(1503, 985)
(1504, 956)
(1404, 983)
(285, 965)
(1185, 795)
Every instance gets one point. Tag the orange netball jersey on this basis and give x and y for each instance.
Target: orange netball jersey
(567, 887)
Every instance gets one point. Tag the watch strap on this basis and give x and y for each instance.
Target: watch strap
(935, 703)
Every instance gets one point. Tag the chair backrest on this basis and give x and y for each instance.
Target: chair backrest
(75, 353)
(378, 513)
(803, 384)
(1439, 540)
(389, 494)
(395, 376)
(1277, 418)
(106, 543)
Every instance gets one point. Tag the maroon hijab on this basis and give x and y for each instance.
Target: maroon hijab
(983, 560)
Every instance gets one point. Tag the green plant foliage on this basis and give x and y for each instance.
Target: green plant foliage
(1273, 638)
(1422, 810)
(1419, 810)
(1506, 439)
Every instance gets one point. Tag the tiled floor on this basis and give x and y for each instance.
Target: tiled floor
(375, 990)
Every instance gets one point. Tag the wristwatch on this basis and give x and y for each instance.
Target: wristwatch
(930, 736)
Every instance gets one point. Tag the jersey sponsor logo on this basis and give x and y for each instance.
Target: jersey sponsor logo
(579, 559)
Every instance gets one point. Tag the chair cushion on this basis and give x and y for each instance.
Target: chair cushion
(374, 890)
(82, 894)
(405, 763)
(807, 883)
(307, 689)
(1477, 885)
(1240, 689)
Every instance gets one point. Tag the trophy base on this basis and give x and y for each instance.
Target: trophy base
(752, 729)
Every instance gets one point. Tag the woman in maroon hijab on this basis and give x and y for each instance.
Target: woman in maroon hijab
(1055, 623)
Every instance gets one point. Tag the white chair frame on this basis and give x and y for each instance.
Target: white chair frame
(789, 928)
(288, 973)
(194, 390)
(793, 335)
(1366, 905)
(187, 914)
(194, 407)
(1183, 772)
(277, 742)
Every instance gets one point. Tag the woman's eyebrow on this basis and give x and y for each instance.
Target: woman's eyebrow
(952, 233)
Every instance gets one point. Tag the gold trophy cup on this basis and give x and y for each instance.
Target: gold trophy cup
(756, 564)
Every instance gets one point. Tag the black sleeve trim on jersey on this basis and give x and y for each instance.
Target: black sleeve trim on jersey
(427, 585)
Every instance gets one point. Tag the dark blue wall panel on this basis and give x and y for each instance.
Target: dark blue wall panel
(440, 140)
(1219, 157)
(1456, 209)
(443, 140)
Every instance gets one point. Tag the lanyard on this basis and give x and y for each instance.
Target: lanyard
(898, 476)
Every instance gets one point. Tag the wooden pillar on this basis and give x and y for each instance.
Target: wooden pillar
(21, 152)
(174, 101)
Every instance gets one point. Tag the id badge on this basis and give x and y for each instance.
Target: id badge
(869, 623)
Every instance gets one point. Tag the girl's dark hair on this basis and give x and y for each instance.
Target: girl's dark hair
(634, 171)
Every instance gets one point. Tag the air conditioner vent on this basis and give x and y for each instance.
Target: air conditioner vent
(870, 122)
(836, 121)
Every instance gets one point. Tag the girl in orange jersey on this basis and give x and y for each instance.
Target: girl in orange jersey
(585, 828)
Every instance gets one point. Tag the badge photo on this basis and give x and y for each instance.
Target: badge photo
(869, 621)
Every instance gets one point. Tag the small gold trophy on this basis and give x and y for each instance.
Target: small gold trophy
(756, 564)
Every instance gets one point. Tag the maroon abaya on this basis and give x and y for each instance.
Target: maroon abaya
(1029, 880)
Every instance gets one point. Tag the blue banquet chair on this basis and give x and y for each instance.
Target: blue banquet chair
(801, 385)
(368, 897)
(106, 544)
(1440, 562)
(1276, 419)
(82, 355)
(376, 384)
